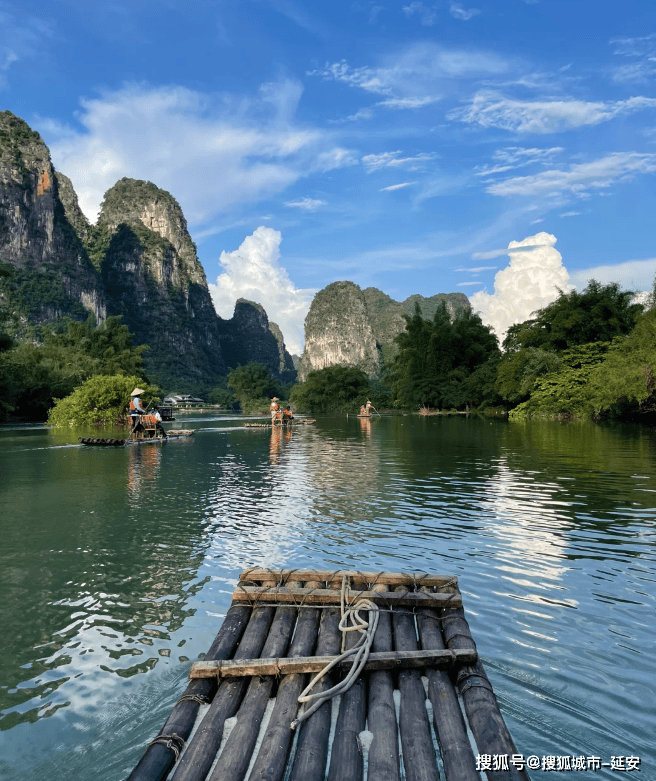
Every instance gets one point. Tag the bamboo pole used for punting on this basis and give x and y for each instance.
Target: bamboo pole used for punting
(381, 717)
(194, 765)
(346, 761)
(356, 577)
(485, 719)
(419, 758)
(158, 758)
(272, 757)
(455, 749)
(312, 745)
(236, 755)
(328, 596)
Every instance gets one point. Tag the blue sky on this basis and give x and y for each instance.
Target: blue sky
(397, 144)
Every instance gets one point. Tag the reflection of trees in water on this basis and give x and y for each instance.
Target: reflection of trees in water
(97, 569)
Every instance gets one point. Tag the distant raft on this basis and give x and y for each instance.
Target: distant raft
(240, 716)
(294, 422)
(111, 442)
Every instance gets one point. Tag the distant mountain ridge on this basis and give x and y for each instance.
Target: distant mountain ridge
(348, 326)
(138, 261)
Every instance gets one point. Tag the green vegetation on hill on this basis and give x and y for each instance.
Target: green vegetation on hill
(333, 389)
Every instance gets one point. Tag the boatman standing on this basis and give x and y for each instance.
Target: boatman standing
(274, 409)
(135, 406)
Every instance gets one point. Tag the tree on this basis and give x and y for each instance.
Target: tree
(332, 389)
(597, 314)
(253, 382)
(101, 401)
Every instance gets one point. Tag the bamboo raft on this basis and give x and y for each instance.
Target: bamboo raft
(283, 625)
(295, 422)
(108, 441)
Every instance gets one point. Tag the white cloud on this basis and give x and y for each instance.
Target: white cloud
(570, 214)
(468, 284)
(529, 282)
(396, 186)
(489, 109)
(401, 103)
(518, 157)
(641, 52)
(617, 167)
(21, 38)
(631, 274)
(210, 153)
(253, 272)
(392, 160)
(478, 269)
(458, 12)
(307, 204)
(427, 16)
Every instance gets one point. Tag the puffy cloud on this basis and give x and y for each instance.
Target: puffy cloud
(253, 272)
(620, 166)
(529, 282)
(211, 153)
(489, 109)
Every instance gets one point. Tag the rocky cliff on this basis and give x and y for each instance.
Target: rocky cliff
(249, 336)
(52, 274)
(138, 261)
(352, 327)
(338, 331)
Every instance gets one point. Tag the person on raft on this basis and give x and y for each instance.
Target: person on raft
(274, 409)
(287, 415)
(135, 407)
(366, 409)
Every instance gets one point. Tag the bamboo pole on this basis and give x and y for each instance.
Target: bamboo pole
(419, 758)
(384, 764)
(485, 719)
(201, 751)
(328, 596)
(158, 759)
(455, 749)
(312, 744)
(346, 760)
(236, 754)
(356, 577)
(272, 757)
(382, 660)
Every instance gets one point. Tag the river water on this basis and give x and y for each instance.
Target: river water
(117, 565)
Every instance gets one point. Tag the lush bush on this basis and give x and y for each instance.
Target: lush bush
(254, 381)
(102, 401)
(332, 389)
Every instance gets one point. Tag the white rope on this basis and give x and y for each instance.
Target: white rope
(360, 651)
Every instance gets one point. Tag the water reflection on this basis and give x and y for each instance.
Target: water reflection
(117, 564)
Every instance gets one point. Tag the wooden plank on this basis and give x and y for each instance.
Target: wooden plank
(355, 577)
(385, 660)
(236, 754)
(194, 765)
(384, 763)
(327, 596)
(419, 758)
(158, 759)
(455, 749)
(483, 714)
(272, 757)
(312, 744)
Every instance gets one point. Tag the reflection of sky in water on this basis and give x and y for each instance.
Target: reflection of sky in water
(118, 566)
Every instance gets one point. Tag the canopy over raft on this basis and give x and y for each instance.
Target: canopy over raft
(284, 625)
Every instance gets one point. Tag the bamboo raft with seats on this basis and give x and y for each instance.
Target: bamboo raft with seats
(110, 441)
(395, 714)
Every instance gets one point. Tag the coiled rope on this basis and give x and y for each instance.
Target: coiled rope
(360, 651)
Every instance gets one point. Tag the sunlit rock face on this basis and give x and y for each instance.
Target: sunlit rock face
(347, 326)
(530, 282)
(53, 275)
(338, 331)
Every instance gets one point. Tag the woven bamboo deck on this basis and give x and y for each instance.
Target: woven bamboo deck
(401, 718)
